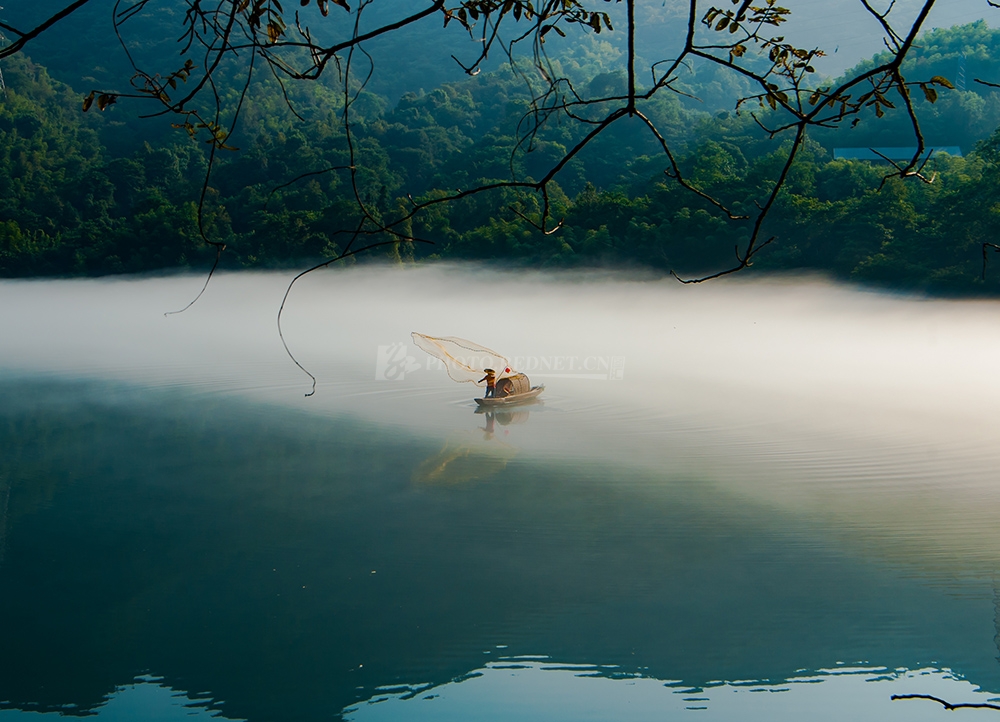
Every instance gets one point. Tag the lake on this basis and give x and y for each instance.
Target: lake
(745, 500)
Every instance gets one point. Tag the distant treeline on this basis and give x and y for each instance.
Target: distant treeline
(91, 194)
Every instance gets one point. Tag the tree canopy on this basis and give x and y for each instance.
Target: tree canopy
(584, 145)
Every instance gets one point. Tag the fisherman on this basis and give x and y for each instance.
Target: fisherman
(491, 383)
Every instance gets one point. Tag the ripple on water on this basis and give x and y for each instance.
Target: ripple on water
(527, 688)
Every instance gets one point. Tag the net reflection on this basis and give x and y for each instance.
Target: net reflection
(474, 455)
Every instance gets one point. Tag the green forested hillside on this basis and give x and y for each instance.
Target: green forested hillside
(95, 193)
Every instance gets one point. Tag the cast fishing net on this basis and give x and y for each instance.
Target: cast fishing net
(464, 361)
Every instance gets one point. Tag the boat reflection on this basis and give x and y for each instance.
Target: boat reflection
(505, 417)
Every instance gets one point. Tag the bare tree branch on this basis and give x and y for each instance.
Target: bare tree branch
(23, 38)
(945, 704)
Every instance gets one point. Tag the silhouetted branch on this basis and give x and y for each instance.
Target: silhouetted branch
(23, 38)
(675, 171)
(219, 248)
(297, 178)
(947, 705)
(753, 248)
(986, 247)
(348, 253)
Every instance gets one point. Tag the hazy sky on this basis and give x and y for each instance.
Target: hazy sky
(849, 33)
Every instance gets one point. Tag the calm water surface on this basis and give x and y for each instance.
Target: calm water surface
(742, 501)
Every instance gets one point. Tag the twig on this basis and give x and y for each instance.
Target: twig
(947, 705)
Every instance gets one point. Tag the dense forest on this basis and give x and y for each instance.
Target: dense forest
(102, 193)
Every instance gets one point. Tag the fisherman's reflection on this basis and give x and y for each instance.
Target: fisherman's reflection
(504, 418)
(490, 428)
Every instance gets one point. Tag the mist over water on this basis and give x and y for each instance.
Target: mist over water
(796, 392)
(796, 342)
(727, 482)
(767, 361)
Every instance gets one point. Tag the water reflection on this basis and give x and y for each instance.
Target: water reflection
(532, 689)
(466, 457)
(469, 456)
(4, 504)
(292, 566)
(146, 699)
(292, 557)
(505, 417)
(996, 616)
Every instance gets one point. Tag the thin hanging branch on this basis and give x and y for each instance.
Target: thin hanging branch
(986, 247)
(219, 248)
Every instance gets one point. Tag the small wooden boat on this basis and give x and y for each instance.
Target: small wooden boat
(512, 399)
